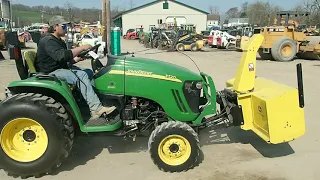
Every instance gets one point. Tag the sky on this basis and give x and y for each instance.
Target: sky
(223, 5)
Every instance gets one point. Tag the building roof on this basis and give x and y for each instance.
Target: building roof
(154, 2)
(213, 17)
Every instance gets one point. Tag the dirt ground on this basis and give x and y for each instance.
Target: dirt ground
(227, 153)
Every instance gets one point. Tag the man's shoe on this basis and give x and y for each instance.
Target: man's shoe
(99, 113)
(97, 120)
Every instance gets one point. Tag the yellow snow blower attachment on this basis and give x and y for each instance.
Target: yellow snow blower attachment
(274, 111)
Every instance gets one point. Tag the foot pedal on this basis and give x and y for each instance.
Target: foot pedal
(103, 122)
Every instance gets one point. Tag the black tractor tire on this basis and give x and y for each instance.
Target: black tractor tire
(170, 130)
(265, 56)
(180, 47)
(281, 46)
(194, 47)
(55, 130)
(155, 43)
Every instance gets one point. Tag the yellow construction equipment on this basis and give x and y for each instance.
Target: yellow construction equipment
(244, 34)
(284, 42)
(272, 110)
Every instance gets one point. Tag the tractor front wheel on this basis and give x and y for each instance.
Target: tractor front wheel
(174, 147)
(284, 49)
(36, 135)
(194, 47)
(180, 47)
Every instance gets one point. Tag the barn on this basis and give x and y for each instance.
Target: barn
(164, 11)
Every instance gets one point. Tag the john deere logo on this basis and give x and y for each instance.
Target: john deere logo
(251, 67)
(111, 85)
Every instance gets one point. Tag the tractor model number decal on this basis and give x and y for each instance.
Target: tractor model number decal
(139, 72)
(146, 74)
(171, 77)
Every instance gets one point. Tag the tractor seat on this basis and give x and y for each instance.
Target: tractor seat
(30, 57)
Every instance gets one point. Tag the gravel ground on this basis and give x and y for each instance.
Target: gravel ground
(228, 153)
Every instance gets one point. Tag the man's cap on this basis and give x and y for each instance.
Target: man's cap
(57, 20)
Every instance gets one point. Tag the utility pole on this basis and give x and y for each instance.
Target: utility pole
(108, 28)
(104, 21)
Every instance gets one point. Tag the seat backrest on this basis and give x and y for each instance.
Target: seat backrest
(30, 57)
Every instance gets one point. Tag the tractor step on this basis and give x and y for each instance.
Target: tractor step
(103, 122)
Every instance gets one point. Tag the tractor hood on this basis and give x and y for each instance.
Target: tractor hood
(159, 69)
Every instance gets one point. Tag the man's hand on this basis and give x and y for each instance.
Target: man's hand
(78, 59)
(76, 51)
(86, 47)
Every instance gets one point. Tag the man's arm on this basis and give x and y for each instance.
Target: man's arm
(76, 51)
(59, 53)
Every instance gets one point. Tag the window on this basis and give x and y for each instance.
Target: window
(165, 5)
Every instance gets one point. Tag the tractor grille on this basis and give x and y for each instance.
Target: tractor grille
(192, 95)
(178, 100)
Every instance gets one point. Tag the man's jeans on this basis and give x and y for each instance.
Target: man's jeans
(82, 78)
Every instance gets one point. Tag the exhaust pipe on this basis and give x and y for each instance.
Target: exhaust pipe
(300, 85)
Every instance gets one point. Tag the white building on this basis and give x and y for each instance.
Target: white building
(161, 10)
(213, 20)
(237, 22)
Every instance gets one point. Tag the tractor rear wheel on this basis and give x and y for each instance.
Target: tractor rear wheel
(180, 47)
(36, 135)
(194, 47)
(174, 147)
(284, 49)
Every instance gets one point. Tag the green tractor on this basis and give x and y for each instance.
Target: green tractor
(41, 114)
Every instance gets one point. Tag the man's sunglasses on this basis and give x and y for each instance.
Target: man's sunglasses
(64, 26)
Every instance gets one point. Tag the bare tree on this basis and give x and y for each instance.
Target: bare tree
(313, 8)
(244, 9)
(214, 9)
(233, 13)
(262, 13)
(70, 14)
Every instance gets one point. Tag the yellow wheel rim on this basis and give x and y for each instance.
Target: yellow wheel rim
(287, 50)
(174, 150)
(24, 140)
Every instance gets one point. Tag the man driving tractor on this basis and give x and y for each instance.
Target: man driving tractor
(53, 58)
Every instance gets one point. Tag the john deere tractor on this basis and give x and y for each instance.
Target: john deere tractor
(169, 103)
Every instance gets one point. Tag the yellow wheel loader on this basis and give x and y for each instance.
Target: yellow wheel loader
(284, 42)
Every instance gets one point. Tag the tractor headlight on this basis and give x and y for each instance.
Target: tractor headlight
(199, 85)
(192, 93)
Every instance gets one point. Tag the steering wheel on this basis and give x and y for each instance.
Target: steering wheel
(94, 48)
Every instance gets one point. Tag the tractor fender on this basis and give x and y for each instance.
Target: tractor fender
(60, 91)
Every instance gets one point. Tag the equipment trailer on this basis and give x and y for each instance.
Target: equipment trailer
(41, 113)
